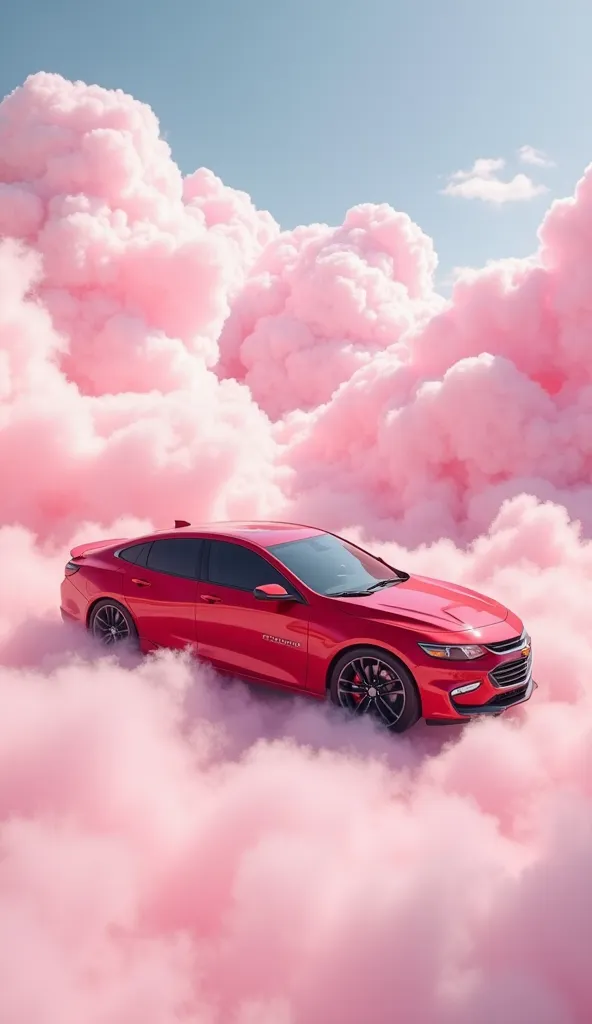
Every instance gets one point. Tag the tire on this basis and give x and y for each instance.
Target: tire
(109, 615)
(356, 687)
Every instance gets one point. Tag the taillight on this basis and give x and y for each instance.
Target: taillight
(71, 568)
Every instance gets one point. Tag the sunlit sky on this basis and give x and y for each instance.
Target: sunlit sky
(312, 106)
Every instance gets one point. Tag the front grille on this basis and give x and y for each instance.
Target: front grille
(511, 673)
(505, 646)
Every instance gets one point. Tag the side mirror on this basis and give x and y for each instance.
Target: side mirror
(272, 592)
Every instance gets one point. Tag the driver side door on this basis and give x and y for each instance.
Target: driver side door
(264, 641)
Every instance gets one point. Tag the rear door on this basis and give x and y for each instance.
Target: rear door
(161, 590)
(260, 640)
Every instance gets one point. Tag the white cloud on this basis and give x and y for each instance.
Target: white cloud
(483, 182)
(535, 157)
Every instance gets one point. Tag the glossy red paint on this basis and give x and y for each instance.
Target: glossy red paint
(175, 598)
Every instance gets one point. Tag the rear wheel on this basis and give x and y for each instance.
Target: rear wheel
(366, 681)
(111, 623)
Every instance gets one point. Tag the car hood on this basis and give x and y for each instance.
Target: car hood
(422, 601)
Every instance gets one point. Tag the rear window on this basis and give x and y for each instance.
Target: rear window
(136, 554)
(176, 556)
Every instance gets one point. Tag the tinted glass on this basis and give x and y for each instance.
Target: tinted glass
(232, 565)
(136, 553)
(143, 554)
(329, 565)
(176, 556)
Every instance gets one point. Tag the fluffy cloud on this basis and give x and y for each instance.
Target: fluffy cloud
(536, 157)
(178, 849)
(482, 181)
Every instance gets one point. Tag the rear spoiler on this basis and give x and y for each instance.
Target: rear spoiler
(80, 550)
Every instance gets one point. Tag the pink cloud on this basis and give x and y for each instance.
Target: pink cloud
(176, 849)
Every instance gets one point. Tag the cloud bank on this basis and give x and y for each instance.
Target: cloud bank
(176, 849)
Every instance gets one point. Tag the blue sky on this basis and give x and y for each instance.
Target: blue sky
(314, 105)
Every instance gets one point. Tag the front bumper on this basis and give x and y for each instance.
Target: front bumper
(497, 704)
(498, 681)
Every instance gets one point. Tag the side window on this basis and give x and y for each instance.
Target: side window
(136, 554)
(232, 565)
(176, 556)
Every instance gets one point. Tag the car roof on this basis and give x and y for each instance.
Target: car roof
(265, 533)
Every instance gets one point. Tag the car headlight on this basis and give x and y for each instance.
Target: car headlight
(460, 652)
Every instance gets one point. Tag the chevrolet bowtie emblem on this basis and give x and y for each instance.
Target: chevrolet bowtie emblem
(525, 651)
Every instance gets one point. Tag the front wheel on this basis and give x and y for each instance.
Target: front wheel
(111, 623)
(370, 682)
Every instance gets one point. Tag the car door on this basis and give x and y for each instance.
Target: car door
(238, 633)
(161, 590)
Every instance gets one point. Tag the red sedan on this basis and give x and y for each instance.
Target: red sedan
(306, 611)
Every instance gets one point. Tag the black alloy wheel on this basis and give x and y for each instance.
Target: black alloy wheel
(111, 623)
(371, 682)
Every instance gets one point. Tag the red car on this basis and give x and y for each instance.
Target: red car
(307, 611)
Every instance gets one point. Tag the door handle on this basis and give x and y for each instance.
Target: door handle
(210, 599)
(140, 583)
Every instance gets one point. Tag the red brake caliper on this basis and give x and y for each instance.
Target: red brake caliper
(357, 696)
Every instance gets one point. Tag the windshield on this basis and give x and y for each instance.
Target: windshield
(331, 566)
